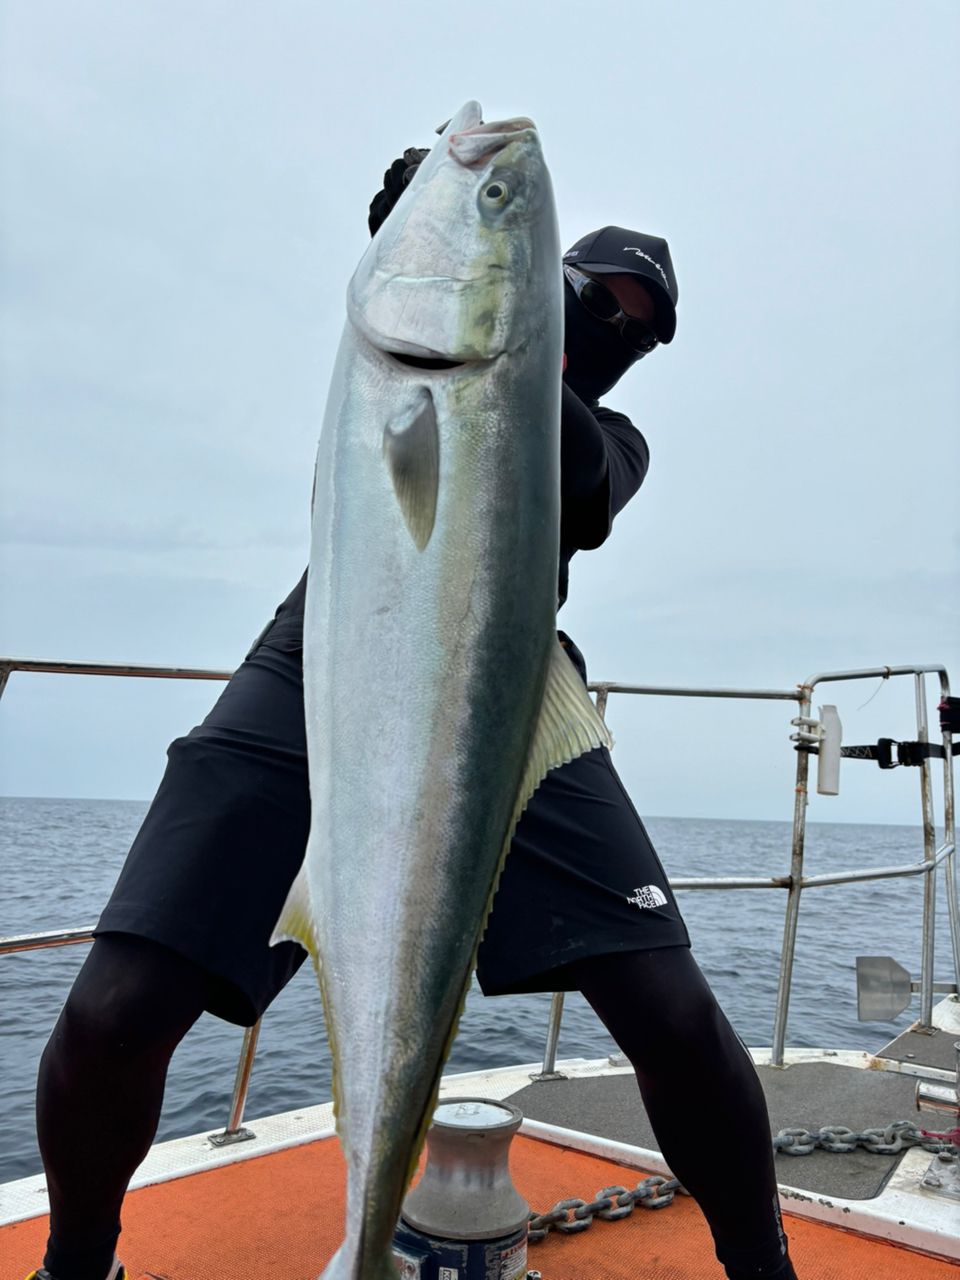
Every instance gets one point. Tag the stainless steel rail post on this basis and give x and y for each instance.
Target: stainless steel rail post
(950, 838)
(927, 954)
(791, 914)
(235, 1132)
(549, 1070)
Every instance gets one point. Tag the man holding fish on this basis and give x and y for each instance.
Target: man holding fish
(414, 689)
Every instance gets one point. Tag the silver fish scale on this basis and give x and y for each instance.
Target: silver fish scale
(424, 668)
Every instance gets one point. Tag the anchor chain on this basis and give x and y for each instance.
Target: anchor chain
(612, 1203)
(839, 1139)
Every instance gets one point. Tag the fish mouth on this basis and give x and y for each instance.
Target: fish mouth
(423, 359)
(413, 355)
(424, 362)
(476, 145)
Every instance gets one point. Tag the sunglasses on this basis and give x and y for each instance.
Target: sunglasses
(602, 304)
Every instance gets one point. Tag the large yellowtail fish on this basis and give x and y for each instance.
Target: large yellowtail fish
(437, 696)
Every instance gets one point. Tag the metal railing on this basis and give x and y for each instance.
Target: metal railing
(794, 882)
(234, 1130)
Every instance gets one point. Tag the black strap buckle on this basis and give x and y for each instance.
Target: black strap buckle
(889, 753)
(915, 753)
(912, 753)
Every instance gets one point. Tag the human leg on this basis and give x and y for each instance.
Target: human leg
(584, 904)
(186, 929)
(695, 1074)
(100, 1089)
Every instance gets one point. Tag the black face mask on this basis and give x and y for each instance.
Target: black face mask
(597, 357)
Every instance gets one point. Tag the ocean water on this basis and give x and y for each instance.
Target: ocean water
(59, 859)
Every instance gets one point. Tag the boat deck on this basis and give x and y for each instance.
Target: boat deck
(273, 1204)
(609, 1106)
(282, 1214)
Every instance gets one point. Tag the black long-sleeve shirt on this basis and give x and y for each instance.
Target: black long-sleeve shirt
(603, 460)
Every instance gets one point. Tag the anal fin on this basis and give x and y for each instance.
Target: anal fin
(296, 919)
(568, 726)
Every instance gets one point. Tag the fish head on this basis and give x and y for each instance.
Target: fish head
(467, 266)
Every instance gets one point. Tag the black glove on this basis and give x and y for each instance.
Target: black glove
(395, 181)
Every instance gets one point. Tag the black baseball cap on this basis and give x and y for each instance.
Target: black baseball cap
(617, 250)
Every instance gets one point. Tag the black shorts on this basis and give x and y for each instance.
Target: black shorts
(210, 868)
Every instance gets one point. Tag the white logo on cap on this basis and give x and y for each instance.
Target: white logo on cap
(632, 248)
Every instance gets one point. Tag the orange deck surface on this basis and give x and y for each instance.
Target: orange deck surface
(280, 1217)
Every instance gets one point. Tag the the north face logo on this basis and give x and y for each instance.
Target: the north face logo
(648, 896)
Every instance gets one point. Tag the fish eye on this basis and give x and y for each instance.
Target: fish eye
(495, 194)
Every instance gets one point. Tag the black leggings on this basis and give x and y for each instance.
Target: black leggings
(103, 1073)
(105, 1067)
(660, 1010)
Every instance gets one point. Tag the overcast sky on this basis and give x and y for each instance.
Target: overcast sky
(185, 189)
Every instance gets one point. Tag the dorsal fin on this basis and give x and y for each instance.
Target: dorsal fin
(412, 451)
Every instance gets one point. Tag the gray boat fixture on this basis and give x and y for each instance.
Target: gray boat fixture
(465, 1217)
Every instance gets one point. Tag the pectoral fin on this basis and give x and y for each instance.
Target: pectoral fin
(412, 452)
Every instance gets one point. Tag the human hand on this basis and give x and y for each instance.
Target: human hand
(395, 181)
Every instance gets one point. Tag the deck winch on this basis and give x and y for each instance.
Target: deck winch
(465, 1220)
